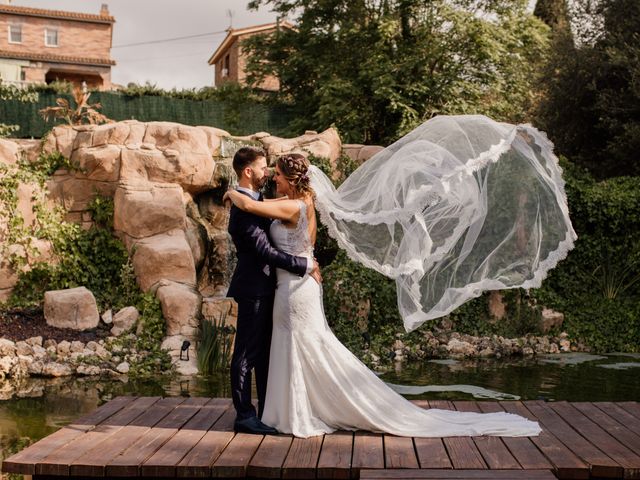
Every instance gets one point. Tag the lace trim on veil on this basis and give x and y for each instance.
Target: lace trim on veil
(330, 212)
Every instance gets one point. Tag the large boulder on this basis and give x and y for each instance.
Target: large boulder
(164, 256)
(124, 320)
(143, 210)
(74, 308)
(98, 163)
(193, 171)
(181, 306)
(326, 144)
(8, 152)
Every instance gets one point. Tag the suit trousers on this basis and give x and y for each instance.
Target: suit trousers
(251, 352)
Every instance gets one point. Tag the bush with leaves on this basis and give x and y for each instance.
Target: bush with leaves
(11, 92)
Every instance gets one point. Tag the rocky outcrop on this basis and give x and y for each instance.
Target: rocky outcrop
(124, 320)
(73, 308)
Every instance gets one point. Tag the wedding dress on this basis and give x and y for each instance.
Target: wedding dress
(316, 385)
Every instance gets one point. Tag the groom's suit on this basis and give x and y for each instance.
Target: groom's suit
(253, 286)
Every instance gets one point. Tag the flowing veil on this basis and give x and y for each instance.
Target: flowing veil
(460, 205)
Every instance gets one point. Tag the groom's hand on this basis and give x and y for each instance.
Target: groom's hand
(315, 273)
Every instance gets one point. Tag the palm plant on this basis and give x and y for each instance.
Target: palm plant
(81, 112)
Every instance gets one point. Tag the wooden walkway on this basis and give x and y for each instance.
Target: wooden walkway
(193, 438)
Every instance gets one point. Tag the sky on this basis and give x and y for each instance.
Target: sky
(180, 63)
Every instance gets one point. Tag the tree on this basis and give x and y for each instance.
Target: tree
(591, 105)
(378, 68)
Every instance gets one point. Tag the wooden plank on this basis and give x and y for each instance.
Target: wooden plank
(233, 461)
(431, 453)
(492, 449)
(269, 458)
(620, 414)
(368, 452)
(103, 411)
(399, 452)
(164, 461)
(226, 421)
(627, 434)
(127, 464)
(463, 453)
(566, 463)
(626, 458)
(93, 463)
(302, 459)
(460, 474)
(59, 461)
(632, 407)
(197, 463)
(601, 464)
(24, 461)
(208, 414)
(522, 448)
(335, 456)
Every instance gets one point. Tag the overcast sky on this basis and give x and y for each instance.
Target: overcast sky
(181, 63)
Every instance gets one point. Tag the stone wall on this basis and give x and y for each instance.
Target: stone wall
(166, 180)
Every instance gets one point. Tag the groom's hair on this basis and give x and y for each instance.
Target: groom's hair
(245, 157)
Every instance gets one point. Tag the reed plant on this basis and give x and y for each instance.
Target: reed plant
(214, 344)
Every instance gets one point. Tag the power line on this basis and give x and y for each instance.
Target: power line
(124, 60)
(168, 39)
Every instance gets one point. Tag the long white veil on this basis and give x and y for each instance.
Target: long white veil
(460, 205)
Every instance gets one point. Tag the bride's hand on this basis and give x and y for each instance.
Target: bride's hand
(226, 199)
(237, 198)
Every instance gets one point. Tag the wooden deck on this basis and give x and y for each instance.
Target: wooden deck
(193, 438)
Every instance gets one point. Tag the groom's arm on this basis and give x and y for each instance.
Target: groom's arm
(256, 236)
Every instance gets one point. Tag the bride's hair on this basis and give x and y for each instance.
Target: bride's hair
(295, 168)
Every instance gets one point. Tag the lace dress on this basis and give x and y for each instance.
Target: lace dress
(316, 385)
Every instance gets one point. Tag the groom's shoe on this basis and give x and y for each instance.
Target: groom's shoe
(253, 425)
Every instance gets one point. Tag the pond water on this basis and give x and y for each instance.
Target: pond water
(38, 407)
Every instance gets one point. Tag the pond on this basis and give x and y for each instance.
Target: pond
(41, 406)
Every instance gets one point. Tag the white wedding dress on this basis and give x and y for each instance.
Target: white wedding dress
(316, 385)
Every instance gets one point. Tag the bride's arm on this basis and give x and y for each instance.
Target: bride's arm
(284, 210)
(279, 199)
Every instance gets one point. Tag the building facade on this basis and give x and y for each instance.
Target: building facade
(42, 46)
(230, 59)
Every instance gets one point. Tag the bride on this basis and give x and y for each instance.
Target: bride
(459, 205)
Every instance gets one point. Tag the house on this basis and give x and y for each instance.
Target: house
(41, 46)
(230, 60)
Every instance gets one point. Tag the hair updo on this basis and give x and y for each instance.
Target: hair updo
(295, 168)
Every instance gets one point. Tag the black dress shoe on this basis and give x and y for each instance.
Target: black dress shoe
(253, 425)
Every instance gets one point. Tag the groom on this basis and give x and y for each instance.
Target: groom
(253, 287)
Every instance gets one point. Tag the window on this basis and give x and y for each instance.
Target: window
(51, 37)
(23, 75)
(15, 33)
(225, 66)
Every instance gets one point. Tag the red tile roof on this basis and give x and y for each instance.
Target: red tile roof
(45, 57)
(233, 34)
(41, 12)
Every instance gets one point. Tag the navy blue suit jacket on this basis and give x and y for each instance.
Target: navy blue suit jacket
(250, 235)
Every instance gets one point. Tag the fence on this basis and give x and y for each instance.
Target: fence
(237, 119)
